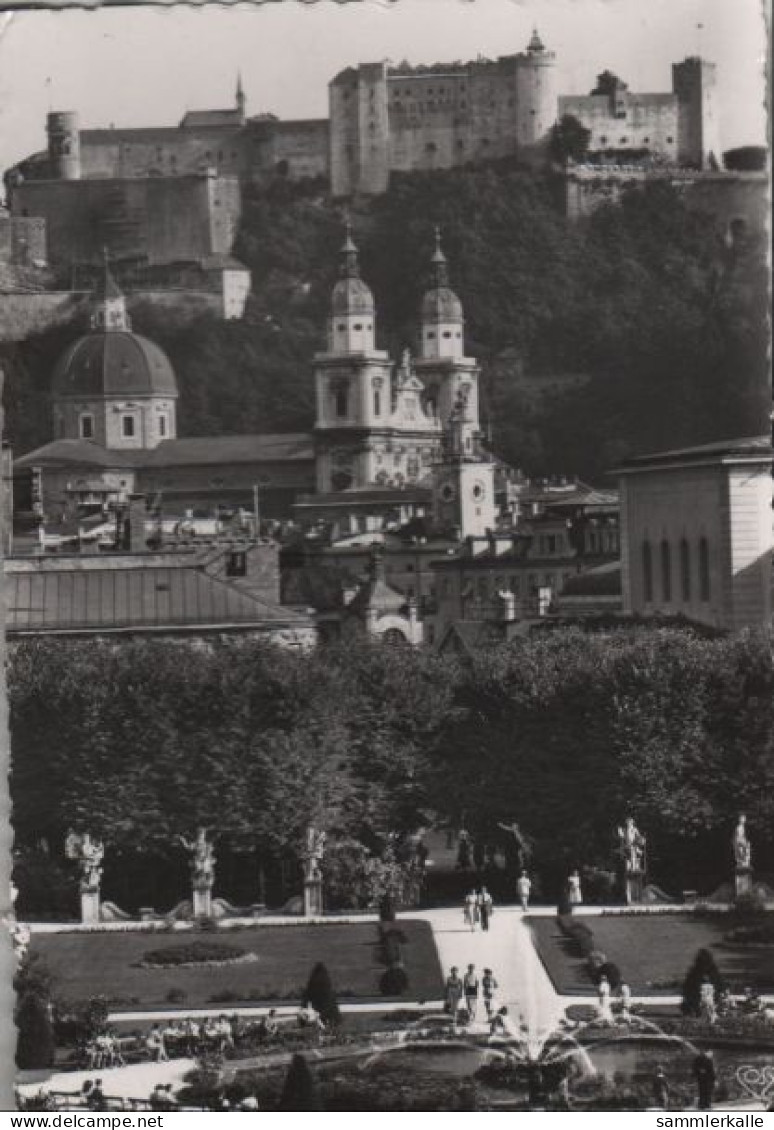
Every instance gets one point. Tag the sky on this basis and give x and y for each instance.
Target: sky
(146, 66)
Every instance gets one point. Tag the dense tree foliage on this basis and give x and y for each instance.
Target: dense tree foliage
(566, 734)
(645, 301)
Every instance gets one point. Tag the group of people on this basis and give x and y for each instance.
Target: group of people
(705, 1075)
(471, 989)
(478, 908)
(191, 1038)
(605, 998)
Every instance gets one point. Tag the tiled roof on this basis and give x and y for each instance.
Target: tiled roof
(78, 452)
(199, 450)
(197, 118)
(110, 595)
(759, 446)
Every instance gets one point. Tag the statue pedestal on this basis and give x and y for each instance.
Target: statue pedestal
(742, 881)
(202, 902)
(90, 906)
(634, 887)
(313, 898)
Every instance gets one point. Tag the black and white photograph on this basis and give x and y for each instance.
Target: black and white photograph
(387, 557)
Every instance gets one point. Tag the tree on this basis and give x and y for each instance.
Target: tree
(300, 1091)
(703, 968)
(320, 995)
(608, 83)
(569, 140)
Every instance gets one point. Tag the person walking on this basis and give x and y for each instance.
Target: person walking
(470, 985)
(523, 889)
(453, 994)
(661, 1089)
(488, 988)
(485, 907)
(705, 1075)
(470, 910)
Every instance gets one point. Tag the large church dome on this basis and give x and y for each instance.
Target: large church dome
(113, 364)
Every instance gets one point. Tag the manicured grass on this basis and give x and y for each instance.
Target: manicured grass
(104, 964)
(653, 952)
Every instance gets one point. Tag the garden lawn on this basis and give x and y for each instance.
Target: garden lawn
(105, 964)
(653, 952)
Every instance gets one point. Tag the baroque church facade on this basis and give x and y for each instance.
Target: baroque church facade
(388, 436)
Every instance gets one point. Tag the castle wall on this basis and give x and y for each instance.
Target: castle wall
(694, 83)
(162, 152)
(155, 218)
(633, 121)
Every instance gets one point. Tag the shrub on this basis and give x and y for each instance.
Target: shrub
(596, 960)
(394, 981)
(193, 953)
(176, 996)
(35, 1043)
(300, 1091)
(703, 965)
(319, 993)
(751, 905)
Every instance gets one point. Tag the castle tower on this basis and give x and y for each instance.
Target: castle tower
(359, 130)
(464, 479)
(64, 145)
(536, 94)
(698, 125)
(442, 365)
(240, 101)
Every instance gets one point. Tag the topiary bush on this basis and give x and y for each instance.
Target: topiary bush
(319, 993)
(703, 966)
(35, 1047)
(300, 1090)
(394, 981)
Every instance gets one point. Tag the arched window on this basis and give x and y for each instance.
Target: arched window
(342, 400)
(704, 570)
(685, 570)
(647, 572)
(666, 572)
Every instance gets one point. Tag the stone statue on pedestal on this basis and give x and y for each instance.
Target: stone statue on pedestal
(632, 846)
(202, 865)
(742, 858)
(313, 855)
(88, 854)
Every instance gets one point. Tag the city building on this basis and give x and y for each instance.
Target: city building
(696, 534)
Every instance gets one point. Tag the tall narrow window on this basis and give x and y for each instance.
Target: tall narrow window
(666, 572)
(127, 426)
(87, 426)
(377, 403)
(647, 572)
(704, 570)
(685, 570)
(341, 401)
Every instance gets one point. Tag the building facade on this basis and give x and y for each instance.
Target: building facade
(697, 534)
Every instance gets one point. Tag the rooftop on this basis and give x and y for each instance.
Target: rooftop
(121, 593)
(755, 448)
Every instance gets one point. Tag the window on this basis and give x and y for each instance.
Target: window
(685, 570)
(162, 425)
(647, 572)
(704, 570)
(341, 401)
(236, 563)
(377, 403)
(87, 426)
(670, 140)
(127, 426)
(666, 572)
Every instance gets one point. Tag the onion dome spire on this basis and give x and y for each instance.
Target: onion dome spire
(440, 267)
(108, 303)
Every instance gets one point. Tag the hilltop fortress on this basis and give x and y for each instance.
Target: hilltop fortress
(385, 119)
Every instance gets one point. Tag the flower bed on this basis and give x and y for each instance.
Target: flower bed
(195, 954)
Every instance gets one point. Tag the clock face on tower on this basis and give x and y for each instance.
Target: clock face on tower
(478, 491)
